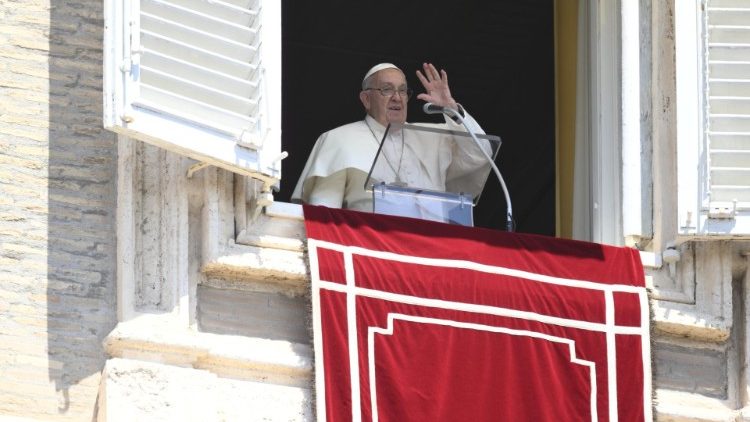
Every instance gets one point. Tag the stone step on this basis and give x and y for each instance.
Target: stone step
(268, 256)
(157, 338)
(258, 286)
(145, 391)
(280, 226)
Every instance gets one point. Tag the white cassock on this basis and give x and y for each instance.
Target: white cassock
(337, 168)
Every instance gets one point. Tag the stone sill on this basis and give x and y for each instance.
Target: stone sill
(285, 210)
(267, 256)
(155, 338)
(676, 406)
(280, 270)
(280, 226)
(684, 320)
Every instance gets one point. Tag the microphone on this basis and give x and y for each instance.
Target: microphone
(430, 108)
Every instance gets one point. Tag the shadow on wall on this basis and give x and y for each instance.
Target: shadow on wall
(81, 263)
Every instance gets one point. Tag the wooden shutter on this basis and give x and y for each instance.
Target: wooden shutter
(713, 117)
(728, 112)
(198, 77)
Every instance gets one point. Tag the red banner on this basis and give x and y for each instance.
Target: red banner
(421, 321)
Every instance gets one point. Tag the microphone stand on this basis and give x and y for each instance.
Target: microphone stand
(509, 225)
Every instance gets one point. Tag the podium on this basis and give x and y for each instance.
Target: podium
(431, 173)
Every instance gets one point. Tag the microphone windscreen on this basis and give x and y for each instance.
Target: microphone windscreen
(430, 108)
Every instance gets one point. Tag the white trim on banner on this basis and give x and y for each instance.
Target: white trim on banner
(609, 327)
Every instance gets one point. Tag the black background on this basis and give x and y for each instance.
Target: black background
(499, 56)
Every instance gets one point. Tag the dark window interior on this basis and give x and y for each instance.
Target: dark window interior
(499, 56)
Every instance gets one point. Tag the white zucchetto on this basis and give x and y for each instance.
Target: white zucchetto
(378, 68)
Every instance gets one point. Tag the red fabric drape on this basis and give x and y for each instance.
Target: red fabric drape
(422, 321)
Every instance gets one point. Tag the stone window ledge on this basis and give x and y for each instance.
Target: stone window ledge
(156, 339)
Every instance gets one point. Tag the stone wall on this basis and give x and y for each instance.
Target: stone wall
(57, 209)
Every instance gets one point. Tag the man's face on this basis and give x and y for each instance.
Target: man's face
(386, 109)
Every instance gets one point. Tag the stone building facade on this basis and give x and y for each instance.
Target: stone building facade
(58, 242)
(135, 286)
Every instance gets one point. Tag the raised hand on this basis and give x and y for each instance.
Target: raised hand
(436, 85)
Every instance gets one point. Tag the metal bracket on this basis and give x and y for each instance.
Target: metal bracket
(722, 210)
(249, 140)
(196, 167)
(689, 225)
(671, 256)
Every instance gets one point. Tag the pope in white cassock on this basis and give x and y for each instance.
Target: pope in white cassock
(337, 168)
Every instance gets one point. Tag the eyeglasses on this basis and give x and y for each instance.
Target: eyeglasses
(389, 91)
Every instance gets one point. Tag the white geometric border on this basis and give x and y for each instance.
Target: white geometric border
(352, 291)
(371, 331)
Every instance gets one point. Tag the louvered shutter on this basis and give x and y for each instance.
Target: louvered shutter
(729, 110)
(713, 112)
(198, 77)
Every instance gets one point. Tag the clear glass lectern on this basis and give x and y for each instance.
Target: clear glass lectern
(431, 173)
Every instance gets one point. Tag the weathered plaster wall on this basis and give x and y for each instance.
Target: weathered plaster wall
(199, 311)
(57, 209)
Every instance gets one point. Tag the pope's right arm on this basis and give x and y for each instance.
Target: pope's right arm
(334, 156)
(328, 190)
